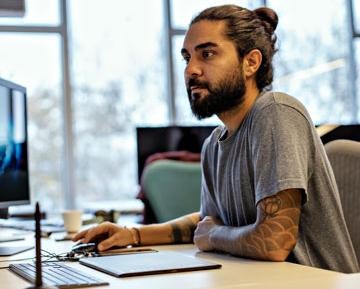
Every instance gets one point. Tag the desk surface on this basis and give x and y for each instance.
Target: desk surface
(235, 273)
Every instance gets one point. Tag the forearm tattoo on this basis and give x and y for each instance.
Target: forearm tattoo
(176, 233)
(277, 228)
(183, 231)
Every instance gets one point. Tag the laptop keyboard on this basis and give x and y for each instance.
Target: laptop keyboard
(57, 274)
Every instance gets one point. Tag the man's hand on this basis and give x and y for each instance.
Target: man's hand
(107, 234)
(203, 231)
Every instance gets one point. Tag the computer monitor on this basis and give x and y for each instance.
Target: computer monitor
(14, 172)
(341, 131)
(152, 140)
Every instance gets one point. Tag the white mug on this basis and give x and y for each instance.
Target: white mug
(72, 220)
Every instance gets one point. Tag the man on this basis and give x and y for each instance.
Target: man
(268, 192)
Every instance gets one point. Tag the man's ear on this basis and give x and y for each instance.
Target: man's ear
(252, 62)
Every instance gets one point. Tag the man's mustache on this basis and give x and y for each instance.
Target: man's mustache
(196, 82)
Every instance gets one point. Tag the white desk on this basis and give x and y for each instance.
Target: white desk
(235, 273)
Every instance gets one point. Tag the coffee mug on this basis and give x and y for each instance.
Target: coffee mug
(72, 220)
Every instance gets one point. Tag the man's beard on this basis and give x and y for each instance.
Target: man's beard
(225, 95)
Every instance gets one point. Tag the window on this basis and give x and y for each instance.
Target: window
(310, 64)
(355, 10)
(118, 83)
(38, 12)
(34, 61)
(356, 14)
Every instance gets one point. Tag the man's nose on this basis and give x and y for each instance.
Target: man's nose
(193, 68)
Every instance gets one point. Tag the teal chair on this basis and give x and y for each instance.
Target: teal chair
(172, 188)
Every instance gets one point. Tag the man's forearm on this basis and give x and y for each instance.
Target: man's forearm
(180, 230)
(252, 242)
(272, 237)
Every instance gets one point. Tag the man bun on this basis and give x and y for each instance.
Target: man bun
(269, 18)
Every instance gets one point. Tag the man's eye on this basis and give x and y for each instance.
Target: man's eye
(206, 54)
(186, 59)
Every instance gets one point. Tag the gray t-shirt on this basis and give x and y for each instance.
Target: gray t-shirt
(277, 148)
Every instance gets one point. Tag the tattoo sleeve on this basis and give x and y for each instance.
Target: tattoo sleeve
(274, 234)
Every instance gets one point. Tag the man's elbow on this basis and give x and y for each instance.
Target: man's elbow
(281, 254)
(278, 256)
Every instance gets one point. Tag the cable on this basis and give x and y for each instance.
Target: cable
(51, 257)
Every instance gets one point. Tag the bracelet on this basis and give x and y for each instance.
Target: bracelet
(135, 234)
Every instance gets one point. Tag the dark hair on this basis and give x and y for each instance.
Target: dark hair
(249, 30)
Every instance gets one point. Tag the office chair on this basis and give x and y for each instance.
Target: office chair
(344, 156)
(172, 188)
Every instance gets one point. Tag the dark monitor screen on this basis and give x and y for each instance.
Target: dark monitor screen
(346, 131)
(152, 140)
(14, 173)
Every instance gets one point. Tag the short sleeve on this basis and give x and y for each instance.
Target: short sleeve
(207, 204)
(281, 145)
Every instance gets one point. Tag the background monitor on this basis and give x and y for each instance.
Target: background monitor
(342, 131)
(152, 140)
(14, 172)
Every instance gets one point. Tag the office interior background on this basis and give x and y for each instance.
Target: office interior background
(97, 69)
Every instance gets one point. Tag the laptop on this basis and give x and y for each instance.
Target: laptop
(147, 263)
